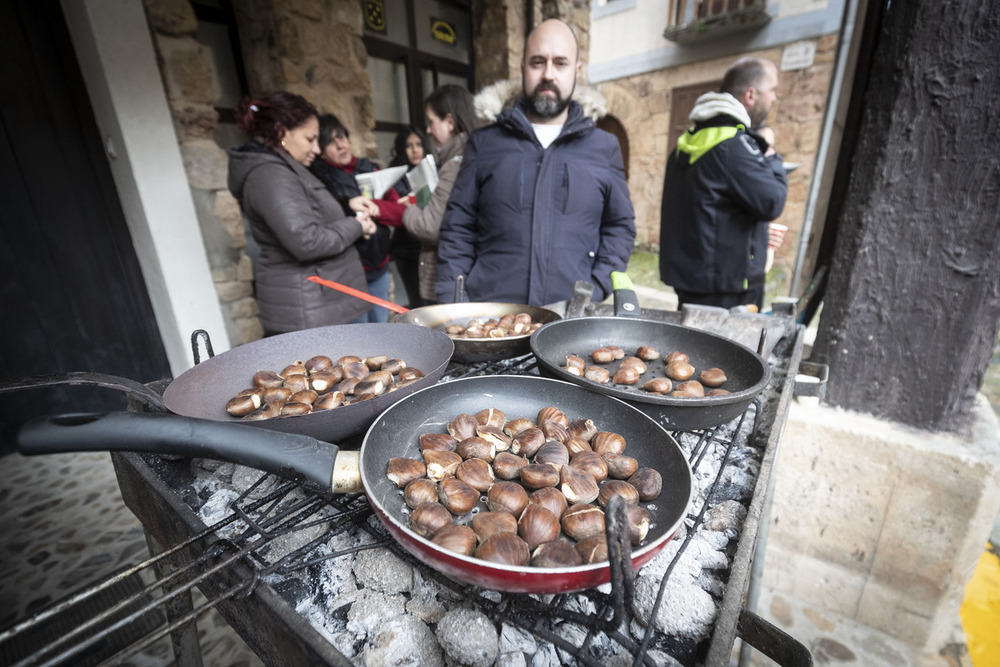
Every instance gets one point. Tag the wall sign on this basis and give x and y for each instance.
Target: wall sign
(799, 55)
(443, 31)
(375, 15)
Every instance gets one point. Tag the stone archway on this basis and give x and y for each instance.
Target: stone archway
(644, 161)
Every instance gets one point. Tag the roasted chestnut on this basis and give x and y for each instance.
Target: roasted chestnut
(593, 549)
(617, 487)
(537, 525)
(574, 361)
(679, 370)
(676, 355)
(647, 482)
(658, 385)
(602, 355)
(606, 442)
(375, 363)
(401, 471)
(490, 523)
(355, 369)
(617, 352)
(495, 436)
(266, 411)
(491, 417)
(553, 414)
(318, 363)
(504, 548)
(553, 452)
(597, 374)
(276, 395)
(476, 448)
(718, 392)
(554, 431)
(294, 368)
(712, 377)
(558, 553)
(647, 353)
(457, 496)
(539, 475)
(290, 409)
(527, 442)
(551, 499)
(456, 537)
(267, 379)
(463, 426)
(439, 441)
(638, 523)
(582, 520)
(305, 396)
(441, 463)
(515, 426)
(477, 473)
(578, 485)
(429, 518)
(419, 491)
(508, 497)
(582, 428)
(635, 362)
(592, 463)
(620, 466)
(404, 373)
(625, 375)
(296, 382)
(324, 381)
(576, 445)
(329, 400)
(508, 466)
(245, 402)
(691, 389)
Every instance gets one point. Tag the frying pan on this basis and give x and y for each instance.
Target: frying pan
(467, 350)
(395, 433)
(203, 390)
(747, 372)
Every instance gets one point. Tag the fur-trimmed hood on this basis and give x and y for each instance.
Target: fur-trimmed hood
(490, 101)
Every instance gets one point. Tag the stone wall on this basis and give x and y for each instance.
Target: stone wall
(642, 104)
(313, 48)
(186, 68)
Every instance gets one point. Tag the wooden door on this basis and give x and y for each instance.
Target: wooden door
(682, 101)
(72, 297)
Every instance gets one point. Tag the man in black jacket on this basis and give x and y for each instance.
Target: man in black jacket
(541, 200)
(723, 184)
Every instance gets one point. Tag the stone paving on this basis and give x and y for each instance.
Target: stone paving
(64, 525)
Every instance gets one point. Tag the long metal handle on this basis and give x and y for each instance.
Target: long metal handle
(364, 296)
(286, 454)
(626, 300)
(773, 642)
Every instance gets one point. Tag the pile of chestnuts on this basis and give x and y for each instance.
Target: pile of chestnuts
(319, 384)
(545, 484)
(677, 379)
(503, 327)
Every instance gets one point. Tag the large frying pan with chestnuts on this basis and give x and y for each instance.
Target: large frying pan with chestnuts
(203, 390)
(747, 373)
(395, 434)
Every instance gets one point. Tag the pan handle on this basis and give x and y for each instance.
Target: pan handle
(773, 642)
(286, 454)
(364, 296)
(626, 301)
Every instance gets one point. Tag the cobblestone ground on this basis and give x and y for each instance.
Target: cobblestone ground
(64, 525)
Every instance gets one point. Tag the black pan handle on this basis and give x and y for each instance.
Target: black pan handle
(290, 455)
(626, 301)
(773, 642)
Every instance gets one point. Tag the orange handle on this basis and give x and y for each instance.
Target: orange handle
(365, 296)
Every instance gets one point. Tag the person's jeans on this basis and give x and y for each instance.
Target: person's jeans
(380, 288)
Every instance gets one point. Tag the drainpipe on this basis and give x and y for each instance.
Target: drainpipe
(843, 55)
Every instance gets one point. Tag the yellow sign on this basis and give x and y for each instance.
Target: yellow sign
(443, 31)
(375, 15)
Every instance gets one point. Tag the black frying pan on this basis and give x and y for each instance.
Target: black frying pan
(748, 373)
(202, 391)
(395, 434)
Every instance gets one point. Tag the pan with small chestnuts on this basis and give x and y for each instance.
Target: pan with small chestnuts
(684, 378)
(502, 481)
(204, 390)
(460, 513)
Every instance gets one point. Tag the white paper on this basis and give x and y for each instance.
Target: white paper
(423, 179)
(374, 184)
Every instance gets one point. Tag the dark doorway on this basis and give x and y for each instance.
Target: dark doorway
(72, 295)
(614, 126)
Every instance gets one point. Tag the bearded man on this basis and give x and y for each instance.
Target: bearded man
(540, 201)
(724, 182)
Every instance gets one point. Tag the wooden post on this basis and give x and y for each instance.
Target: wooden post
(912, 310)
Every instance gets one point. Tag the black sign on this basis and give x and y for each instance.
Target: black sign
(375, 15)
(443, 31)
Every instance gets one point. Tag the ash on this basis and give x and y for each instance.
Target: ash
(378, 607)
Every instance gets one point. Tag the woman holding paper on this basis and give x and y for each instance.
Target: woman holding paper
(409, 149)
(338, 168)
(450, 120)
(300, 228)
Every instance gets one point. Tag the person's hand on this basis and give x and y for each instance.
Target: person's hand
(367, 224)
(406, 200)
(362, 204)
(767, 134)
